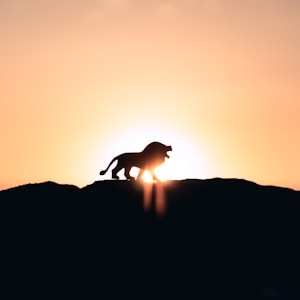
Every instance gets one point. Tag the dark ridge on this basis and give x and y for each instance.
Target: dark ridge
(39, 188)
(218, 238)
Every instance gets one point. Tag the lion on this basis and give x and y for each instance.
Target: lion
(151, 157)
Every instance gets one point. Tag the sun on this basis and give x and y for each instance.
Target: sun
(185, 161)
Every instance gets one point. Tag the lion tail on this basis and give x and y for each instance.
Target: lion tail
(113, 160)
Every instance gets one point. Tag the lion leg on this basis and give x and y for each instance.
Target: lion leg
(127, 174)
(140, 175)
(115, 171)
(154, 177)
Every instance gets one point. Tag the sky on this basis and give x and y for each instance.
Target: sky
(83, 81)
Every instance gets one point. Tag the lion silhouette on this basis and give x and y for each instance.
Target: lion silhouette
(151, 157)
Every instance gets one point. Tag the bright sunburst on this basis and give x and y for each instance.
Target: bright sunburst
(185, 160)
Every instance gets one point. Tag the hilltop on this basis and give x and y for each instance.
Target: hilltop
(205, 237)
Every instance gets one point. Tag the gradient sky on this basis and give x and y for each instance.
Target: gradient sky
(82, 81)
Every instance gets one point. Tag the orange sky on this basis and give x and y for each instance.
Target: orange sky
(82, 81)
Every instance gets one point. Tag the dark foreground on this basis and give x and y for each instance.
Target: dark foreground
(209, 239)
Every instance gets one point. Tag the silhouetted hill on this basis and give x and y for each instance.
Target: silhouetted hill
(214, 238)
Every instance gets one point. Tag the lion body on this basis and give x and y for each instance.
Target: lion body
(151, 157)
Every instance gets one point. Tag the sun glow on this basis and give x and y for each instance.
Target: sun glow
(186, 160)
(174, 169)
